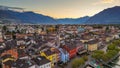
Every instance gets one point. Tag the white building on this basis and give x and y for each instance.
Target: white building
(42, 62)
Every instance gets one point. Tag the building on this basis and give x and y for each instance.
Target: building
(12, 52)
(80, 29)
(7, 37)
(64, 55)
(50, 55)
(71, 49)
(7, 60)
(42, 62)
(80, 47)
(30, 30)
(21, 41)
(92, 45)
(56, 50)
(23, 63)
(108, 39)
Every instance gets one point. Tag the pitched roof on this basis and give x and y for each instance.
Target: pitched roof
(23, 63)
(70, 45)
(92, 41)
(40, 60)
(49, 52)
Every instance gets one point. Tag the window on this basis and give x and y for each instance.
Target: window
(52, 56)
(47, 65)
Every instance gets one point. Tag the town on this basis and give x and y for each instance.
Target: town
(58, 46)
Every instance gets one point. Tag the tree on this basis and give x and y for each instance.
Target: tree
(116, 42)
(77, 62)
(109, 56)
(111, 47)
(97, 54)
(16, 28)
(74, 65)
(85, 58)
(8, 32)
(18, 31)
(105, 58)
(81, 61)
(99, 51)
(112, 52)
(107, 28)
(4, 28)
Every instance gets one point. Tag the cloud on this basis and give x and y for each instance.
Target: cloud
(104, 2)
(107, 1)
(6, 7)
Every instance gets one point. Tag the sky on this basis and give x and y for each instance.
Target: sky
(62, 8)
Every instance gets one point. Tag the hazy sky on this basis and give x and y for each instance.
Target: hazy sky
(62, 8)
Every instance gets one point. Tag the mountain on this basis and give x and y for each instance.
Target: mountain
(10, 16)
(24, 17)
(81, 20)
(107, 16)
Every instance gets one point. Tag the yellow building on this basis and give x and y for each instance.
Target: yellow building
(92, 45)
(50, 55)
(51, 29)
(109, 38)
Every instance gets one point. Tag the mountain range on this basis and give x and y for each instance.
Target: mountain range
(107, 16)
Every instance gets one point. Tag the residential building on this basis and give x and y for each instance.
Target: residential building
(7, 60)
(50, 55)
(12, 52)
(92, 45)
(71, 49)
(42, 62)
(64, 55)
(23, 63)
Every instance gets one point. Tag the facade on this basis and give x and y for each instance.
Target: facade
(92, 45)
(39, 31)
(80, 47)
(42, 62)
(50, 55)
(30, 30)
(20, 41)
(56, 50)
(116, 36)
(7, 60)
(108, 39)
(23, 63)
(12, 52)
(80, 29)
(64, 55)
(71, 49)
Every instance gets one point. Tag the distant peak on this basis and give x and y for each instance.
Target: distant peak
(28, 12)
(116, 7)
